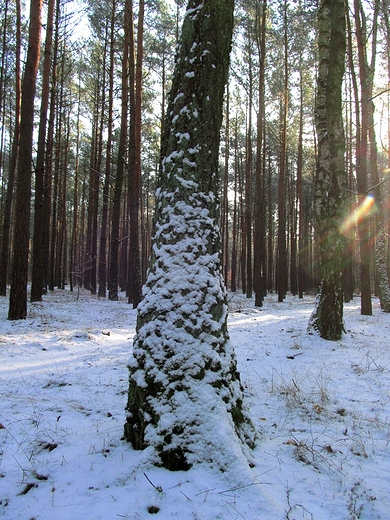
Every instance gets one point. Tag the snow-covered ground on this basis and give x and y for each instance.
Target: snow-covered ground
(322, 410)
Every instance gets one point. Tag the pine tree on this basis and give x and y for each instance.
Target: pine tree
(185, 397)
(18, 294)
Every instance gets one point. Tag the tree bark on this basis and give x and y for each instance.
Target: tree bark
(380, 235)
(134, 278)
(102, 272)
(361, 166)
(331, 180)
(37, 277)
(282, 250)
(116, 208)
(248, 181)
(6, 229)
(259, 254)
(18, 294)
(183, 361)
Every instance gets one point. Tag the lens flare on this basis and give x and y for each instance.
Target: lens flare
(363, 209)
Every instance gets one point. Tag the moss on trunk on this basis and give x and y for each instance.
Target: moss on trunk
(185, 398)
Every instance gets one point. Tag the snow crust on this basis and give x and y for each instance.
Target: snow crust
(321, 409)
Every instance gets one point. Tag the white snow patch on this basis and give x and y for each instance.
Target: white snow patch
(322, 409)
(180, 95)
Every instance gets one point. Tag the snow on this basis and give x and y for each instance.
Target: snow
(322, 411)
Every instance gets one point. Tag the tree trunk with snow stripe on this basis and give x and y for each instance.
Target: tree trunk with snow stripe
(331, 178)
(185, 397)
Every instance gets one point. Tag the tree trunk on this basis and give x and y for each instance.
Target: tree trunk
(18, 294)
(134, 285)
(380, 236)
(51, 209)
(233, 280)
(270, 226)
(331, 180)
(282, 250)
(259, 212)
(225, 198)
(102, 272)
(6, 230)
(184, 398)
(116, 208)
(248, 183)
(301, 265)
(361, 166)
(74, 275)
(37, 277)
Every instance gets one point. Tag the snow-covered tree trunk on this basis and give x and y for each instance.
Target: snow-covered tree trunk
(185, 397)
(331, 179)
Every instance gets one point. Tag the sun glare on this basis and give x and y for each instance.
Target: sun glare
(362, 210)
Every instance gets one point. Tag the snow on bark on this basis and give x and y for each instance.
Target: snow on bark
(381, 265)
(185, 398)
(330, 188)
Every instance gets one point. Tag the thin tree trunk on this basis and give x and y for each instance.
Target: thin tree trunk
(282, 252)
(301, 261)
(225, 199)
(248, 184)
(380, 236)
(50, 211)
(361, 167)
(37, 278)
(116, 208)
(73, 253)
(134, 286)
(18, 294)
(106, 189)
(233, 280)
(6, 230)
(259, 216)
(270, 226)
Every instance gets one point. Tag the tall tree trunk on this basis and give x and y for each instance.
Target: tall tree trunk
(331, 180)
(349, 284)
(380, 236)
(18, 294)
(270, 226)
(6, 230)
(244, 231)
(225, 198)
(106, 189)
(361, 166)
(50, 210)
(301, 261)
(183, 362)
(57, 150)
(259, 216)
(116, 207)
(233, 278)
(37, 279)
(282, 250)
(248, 181)
(134, 286)
(74, 275)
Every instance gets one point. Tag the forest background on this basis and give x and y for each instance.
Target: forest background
(102, 84)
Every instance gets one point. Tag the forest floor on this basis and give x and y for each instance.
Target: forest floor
(322, 411)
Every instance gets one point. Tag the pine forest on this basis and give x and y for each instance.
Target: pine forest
(77, 209)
